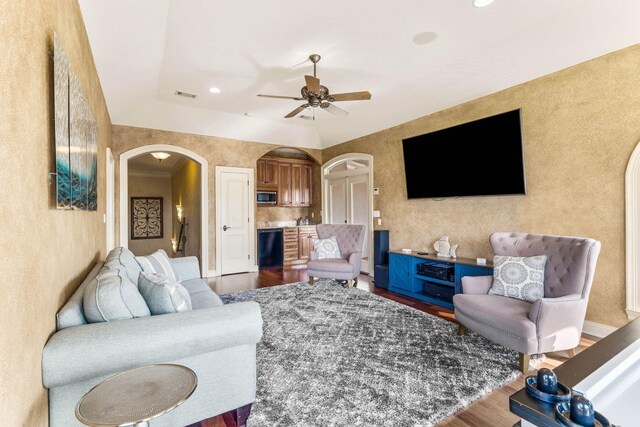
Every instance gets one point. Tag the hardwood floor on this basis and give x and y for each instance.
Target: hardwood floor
(492, 410)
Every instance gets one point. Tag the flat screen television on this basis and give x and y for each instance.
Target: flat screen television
(484, 157)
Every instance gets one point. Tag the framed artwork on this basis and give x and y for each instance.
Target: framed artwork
(76, 139)
(146, 218)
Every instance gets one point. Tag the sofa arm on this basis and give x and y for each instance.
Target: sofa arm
(558, 321)
(313, 255)
(476, 285)
(96, 349)
(186, 268)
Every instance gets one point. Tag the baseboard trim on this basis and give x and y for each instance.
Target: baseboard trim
(632, 314)
(597, 329)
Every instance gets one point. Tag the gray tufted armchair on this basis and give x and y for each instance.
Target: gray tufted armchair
(551, 323)
(350, 239)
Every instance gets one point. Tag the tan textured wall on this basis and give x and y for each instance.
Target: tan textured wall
(185, 188)
(46, 252)
(152, 186)
(580, 126)
(217, 151)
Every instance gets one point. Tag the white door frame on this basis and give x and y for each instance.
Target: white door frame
(204, 195)
(253, 265)
(325, 194)
(110, 211)
(632, 201)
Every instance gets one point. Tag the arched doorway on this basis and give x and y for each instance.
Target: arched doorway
(632, 198)
(347, 196)
(204, 195)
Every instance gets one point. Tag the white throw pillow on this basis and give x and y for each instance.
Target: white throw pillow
(326, 248)
(157, 263)
(519, 277)
(163, 294)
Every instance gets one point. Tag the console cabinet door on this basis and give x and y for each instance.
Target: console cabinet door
(400, 271)
(284, 184)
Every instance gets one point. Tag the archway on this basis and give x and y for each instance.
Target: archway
(632, 199)
(356, 169)
(204, 195)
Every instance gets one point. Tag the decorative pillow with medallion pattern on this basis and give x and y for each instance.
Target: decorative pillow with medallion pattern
(519, 277)
(326, 248)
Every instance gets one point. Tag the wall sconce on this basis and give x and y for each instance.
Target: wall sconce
(179, 213)
(174, 245)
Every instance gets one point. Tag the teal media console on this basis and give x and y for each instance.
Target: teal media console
(404, 277)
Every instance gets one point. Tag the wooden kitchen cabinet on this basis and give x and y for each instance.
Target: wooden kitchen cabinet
(267, 174)
(292, 178)
(305, 234)
(284, 184)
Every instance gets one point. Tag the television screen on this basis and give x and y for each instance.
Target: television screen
(480, 158)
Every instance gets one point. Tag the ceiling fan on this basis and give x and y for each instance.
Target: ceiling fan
(317, 95)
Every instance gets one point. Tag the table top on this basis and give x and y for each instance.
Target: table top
(433, 256)
(136, 395)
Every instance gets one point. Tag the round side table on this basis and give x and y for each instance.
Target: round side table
(133, 397)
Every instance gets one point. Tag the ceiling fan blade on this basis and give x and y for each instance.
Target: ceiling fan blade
(282, 97)
(313, 84)
(335, 110)
(296, 111)
(352, 96)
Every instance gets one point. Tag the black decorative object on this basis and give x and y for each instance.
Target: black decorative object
(563, 393)
(567, 416)
(146, 218)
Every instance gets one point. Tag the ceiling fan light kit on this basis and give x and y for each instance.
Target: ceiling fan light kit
(317, 95)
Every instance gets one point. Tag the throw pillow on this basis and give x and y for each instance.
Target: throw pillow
(111, 295)
(326, 248)
(157, 263)
(122, 257)
(163, 294)
(519, 277)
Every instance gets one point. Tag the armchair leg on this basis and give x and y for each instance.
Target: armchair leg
(350, 283)
(572, 351)
(355, 280)
(311, 278)
(524, 362)
(461, 330)
(241, 414)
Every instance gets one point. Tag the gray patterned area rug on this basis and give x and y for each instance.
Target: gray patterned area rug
(335, 356)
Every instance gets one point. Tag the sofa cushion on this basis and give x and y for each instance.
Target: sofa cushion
(121, 257)
(202, 296)
(112, 296)
(163, 294)
(508, 315)
(326, 248)
(72, 312)
(336, 265)
(157, 263)
(519, 277)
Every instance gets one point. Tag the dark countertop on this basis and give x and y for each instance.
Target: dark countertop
(572, 372)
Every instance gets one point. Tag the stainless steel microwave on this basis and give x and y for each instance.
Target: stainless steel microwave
(267, 197)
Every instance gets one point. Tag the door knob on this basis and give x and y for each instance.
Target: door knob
(224, 228)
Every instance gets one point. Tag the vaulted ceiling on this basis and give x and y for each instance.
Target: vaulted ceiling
(416, 57)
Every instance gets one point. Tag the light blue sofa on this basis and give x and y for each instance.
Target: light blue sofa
(217, 341)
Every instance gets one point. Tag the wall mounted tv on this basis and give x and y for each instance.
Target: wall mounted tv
(481, 158)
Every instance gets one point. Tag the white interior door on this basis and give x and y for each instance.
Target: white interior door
(337, 188)
(358, 210)
(234, 220)
(109, 216)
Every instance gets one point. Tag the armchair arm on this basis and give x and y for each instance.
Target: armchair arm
(355, 259)
(88, 351)
(313, 255)
(476, 285)
(186, 268)
(558, 321)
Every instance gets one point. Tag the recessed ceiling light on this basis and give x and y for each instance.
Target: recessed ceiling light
(248, 114)
(482, 3)
(214, 90)
(424, 38)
